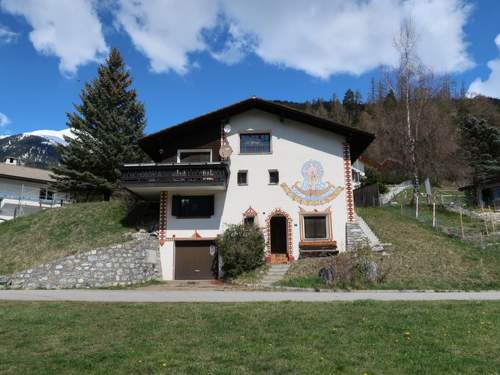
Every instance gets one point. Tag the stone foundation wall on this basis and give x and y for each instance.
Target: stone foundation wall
(130, 263)
(355, 237)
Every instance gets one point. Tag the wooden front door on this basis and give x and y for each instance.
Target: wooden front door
(195, 260)
(278, 235)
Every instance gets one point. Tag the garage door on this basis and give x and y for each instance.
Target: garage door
(194, 260)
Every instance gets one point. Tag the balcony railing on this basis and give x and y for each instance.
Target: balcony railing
(175, 175)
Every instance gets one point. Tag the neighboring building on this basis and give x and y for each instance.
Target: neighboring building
(358, 172)
(25, 190)
(486, 192)
(257, 162)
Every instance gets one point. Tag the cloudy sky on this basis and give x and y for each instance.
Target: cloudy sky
(188, 57)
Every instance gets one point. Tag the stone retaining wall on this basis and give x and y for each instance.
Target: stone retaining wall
(130, 263)
(355, 237)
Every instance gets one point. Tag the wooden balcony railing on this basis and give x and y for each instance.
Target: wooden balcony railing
(175, 175)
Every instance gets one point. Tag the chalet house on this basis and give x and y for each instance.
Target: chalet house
(254, 162)
(25, 190)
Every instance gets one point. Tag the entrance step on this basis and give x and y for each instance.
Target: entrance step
(279, 259)
(275, 273)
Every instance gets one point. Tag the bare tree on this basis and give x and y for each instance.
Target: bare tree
(409, 72)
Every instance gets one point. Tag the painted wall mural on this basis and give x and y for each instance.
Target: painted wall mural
(312, 190)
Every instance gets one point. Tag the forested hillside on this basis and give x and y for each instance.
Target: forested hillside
(440, 148)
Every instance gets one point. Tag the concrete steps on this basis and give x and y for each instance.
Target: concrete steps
(275, 273)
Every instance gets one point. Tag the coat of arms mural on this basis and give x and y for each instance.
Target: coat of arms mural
(312, 190)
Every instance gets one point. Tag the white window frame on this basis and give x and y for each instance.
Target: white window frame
(181, 150)
(328, 223)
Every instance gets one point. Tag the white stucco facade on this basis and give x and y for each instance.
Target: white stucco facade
(292, 145)
(20, 197)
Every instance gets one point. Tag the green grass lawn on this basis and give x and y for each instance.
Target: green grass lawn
(424, 258)
(276, 338)
(51, 234)
(420, 257)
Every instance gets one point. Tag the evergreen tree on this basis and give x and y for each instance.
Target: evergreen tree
(481, 143)
(107, 125)
(390, 101)
(352, 105)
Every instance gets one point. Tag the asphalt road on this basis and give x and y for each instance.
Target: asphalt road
(138, 296)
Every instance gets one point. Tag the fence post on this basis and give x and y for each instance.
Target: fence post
(492, 218)
(485, 220)
(461, 223)
(434, 214)
(416, 206)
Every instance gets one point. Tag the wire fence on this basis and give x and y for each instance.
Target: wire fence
(447, 213)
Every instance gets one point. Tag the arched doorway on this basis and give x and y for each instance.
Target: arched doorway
(279, 237)
(278, 230)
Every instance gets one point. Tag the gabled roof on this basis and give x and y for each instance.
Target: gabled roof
(19, 172)
(358, 139)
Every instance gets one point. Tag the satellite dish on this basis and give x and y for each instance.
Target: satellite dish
(227, 128)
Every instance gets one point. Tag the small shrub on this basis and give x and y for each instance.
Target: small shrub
(353, 269)
(241, 248)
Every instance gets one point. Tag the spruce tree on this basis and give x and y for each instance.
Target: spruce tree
(107, 125)
(481, 143)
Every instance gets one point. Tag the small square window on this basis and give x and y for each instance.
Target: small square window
(274, 177)
(249, 220)
(242, 178)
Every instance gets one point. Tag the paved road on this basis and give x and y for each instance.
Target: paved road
(235, 296)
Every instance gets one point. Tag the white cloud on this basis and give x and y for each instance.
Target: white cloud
(326, 37)
(166, 31)
(321, 37)
(235, 47)
(6, 35)
(69, 30)
(4, 120)
(441, 37)
(491, 85)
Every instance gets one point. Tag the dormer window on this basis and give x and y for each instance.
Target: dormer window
(194, 156)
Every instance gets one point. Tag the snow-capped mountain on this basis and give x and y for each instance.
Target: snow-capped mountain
(56, 136)
(36, 149)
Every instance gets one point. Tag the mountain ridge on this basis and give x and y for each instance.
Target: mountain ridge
(36, 149)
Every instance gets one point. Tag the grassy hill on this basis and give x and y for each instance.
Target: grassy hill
(51, 234)
(420, 257)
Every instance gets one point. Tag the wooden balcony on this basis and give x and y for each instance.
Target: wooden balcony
(175, 175)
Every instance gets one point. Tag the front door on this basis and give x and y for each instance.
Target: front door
(278, 235)
(195, 260)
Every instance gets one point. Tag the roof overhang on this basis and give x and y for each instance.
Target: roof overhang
(358, 139)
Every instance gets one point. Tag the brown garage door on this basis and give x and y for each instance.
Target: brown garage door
(193, 261)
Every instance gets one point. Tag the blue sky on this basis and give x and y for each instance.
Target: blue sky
(191, 57)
